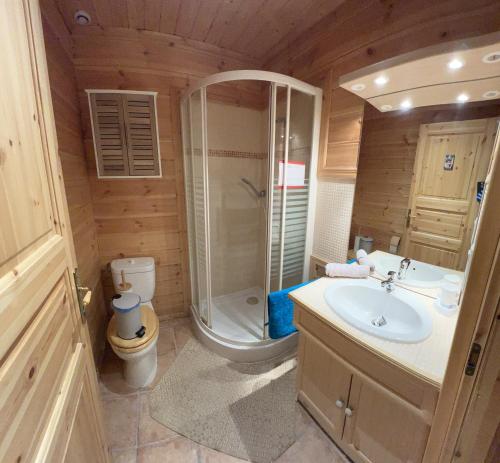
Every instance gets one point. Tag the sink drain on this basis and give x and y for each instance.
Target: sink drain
(379, 321)
(252, 300)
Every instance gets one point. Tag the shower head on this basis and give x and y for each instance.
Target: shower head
(259, 194)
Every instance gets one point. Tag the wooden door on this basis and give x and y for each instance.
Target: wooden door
(324, 383)
(381, 427)
(451, 158)
(49, 401)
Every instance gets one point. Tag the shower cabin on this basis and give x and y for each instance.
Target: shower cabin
(250, 143)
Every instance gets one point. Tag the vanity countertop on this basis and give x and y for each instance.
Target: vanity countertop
(427, 358)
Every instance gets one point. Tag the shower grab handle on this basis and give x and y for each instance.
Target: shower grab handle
(259, 194)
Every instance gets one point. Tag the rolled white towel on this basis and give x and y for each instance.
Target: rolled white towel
(363, 259)
(347, 270)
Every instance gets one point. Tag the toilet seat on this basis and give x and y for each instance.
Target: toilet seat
(127, 346)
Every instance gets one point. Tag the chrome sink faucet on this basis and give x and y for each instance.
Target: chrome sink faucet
(389, 283)
(403, 267)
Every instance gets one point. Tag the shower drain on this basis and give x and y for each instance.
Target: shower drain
(252, 300)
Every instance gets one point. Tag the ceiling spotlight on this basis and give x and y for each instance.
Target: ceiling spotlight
(406, 104)
(381, 80)
(462, 98)
(455, 64)
(358, 87)
(82, 18)
(386, 107)
(491, 94)
(491, 58)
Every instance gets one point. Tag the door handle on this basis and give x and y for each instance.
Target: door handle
(87, 297)
(83, 295)
(339, 403)
(349, 411)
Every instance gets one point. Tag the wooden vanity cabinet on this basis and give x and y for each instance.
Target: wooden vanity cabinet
(375, 412)
(324, 383)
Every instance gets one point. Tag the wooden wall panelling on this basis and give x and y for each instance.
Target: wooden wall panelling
(146, 216)
(76, 181)
(387, 156)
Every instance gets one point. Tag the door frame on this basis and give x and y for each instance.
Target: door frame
(475, 322)
(480, 169)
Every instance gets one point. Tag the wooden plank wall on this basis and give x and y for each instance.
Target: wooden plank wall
(146, 217)
(364, 32)
(76, 178)
(385, 169)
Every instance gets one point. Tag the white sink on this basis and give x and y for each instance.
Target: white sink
(418, 275)
(397, 316)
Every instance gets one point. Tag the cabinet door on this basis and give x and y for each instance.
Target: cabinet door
(381, 427)
(324, 383)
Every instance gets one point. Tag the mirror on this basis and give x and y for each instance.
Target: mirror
(419, 183)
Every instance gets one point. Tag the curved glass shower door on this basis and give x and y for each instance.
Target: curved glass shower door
(250, 149)
(237, 140)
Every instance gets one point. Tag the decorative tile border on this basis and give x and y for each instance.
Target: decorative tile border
(236, 154)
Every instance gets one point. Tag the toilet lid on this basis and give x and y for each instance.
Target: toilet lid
(149, 321)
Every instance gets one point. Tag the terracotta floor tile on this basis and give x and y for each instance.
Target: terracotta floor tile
(211, 456)
(166, 342)
(124, 456)
(150, 431)
(178, 450)
(121, 415)
(313, 446)
(183, 333)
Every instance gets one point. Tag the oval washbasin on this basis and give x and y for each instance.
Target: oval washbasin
(397, 316)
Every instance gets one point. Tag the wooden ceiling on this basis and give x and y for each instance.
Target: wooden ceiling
(256, 28)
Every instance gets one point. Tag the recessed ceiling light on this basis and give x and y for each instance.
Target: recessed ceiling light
(381, 80)
(462, 98)
(82, 18)
(491, 94)
(406, 104)
(386, 107)
(491, 58)
(455, 64)
(358, 87)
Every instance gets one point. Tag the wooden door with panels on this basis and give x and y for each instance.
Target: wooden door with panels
(451, 158)
(49, 403)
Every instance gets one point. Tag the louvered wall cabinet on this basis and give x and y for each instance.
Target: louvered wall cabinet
(125, 132)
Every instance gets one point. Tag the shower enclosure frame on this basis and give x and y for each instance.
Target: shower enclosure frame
(266, 348)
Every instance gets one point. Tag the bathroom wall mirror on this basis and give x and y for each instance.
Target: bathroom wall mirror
(420, 177)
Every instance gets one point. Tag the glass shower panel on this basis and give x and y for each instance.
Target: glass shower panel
(237, 132)
(190, 216)
(198, 168)
(297, 193)
(276, 216)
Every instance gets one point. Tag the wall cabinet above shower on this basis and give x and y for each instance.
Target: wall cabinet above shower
(341, 133)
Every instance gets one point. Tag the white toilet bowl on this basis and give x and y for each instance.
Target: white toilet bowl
(139, 355)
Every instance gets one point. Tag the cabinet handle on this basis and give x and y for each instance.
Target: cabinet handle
(339, 403)
(348, 411)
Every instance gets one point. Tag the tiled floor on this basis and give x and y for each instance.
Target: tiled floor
(134, 437)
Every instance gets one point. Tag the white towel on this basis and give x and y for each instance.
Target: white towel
(347, 270)
(363, 259)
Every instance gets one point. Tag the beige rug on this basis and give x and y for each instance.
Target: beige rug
(245, 410)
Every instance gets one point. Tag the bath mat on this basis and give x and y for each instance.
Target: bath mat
(245, 410)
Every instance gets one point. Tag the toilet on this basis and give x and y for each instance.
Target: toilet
(139, 354)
